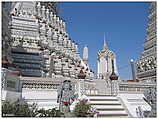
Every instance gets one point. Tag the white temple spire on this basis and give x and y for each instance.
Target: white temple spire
(105, 44)
(85, 55)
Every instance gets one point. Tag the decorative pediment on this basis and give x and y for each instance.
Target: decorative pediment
(106, 52)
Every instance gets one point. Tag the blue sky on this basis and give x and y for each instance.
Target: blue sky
(124, 25)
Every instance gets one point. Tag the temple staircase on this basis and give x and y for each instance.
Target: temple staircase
(108, 106)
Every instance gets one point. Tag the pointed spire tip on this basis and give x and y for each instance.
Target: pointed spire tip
(105, 43)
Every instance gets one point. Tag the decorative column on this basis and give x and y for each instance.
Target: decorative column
(133, 70)
(98, 73)
(114, 80)
(81, 85)
(115, 66)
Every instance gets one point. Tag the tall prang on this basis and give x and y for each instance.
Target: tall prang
(146, 65)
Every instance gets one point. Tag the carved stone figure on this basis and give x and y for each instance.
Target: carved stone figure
(66, 96)
(139, 67)
(151, 62)
(148, 65)
(150, 98)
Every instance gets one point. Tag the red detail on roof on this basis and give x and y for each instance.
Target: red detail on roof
(133, 80)
(15, 73)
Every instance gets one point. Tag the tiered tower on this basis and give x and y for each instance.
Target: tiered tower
(146, 65)
(41, 46)
(106, 62)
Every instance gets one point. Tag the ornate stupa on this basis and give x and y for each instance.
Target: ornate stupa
(106, 62)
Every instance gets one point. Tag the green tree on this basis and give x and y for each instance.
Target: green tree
(42, 113)
(21, 109)
(49, 113)
(18, 109)
(7, 108)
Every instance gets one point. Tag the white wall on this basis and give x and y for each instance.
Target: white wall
(44, 98)
(10, 95)
(132, 101)
(104, 65)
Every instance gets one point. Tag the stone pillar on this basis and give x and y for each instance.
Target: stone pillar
(133, 70)
(115, 66)
(98, 69)
(81, 88)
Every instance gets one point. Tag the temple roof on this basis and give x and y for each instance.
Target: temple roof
(105, 50)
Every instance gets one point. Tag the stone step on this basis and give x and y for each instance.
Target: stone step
(110, 109)
(105, 102)
(107, 117)
(102, 95)
(116, 112)
(108, 106)
(113, 116)
(103, 99)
